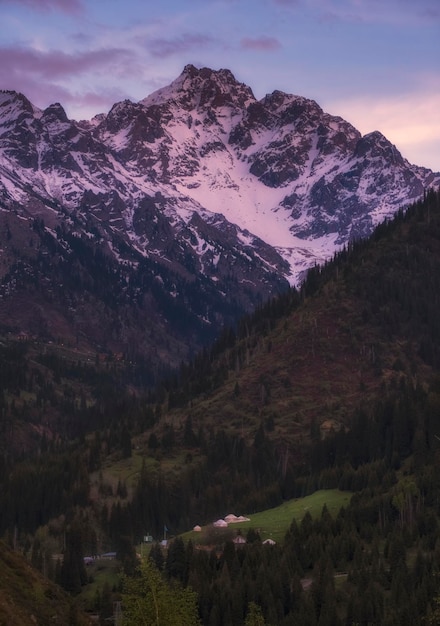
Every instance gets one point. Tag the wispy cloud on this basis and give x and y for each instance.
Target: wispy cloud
(367, 11)
(179, 45)
(92, 101)
(73, 7)
(260, 43)
(46, 77)
(288, 3)
(56, 64)
(394, 12)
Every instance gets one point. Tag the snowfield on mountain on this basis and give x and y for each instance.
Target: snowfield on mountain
(203, 150)
(148, 229)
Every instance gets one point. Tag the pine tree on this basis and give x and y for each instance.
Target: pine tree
(147, 599)
(254, 616)
(73, 573)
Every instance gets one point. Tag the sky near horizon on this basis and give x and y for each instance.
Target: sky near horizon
(376, 63)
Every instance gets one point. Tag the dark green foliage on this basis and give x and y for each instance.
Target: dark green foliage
(36, 490)
(73, 574)
(148, 599)
(328, 571)
(156, 555)
(125, 553)
(176, 562)
(125, 443)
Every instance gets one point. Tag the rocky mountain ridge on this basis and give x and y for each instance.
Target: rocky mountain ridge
(197, 203)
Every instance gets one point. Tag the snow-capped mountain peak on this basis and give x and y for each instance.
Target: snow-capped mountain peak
(152, 226)
(203, 88)
(280, 171)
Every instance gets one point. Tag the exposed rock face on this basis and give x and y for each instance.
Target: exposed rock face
(195, 204)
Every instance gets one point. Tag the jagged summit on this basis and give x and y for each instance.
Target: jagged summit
(14, 106)
(55, 112)
(203, 88)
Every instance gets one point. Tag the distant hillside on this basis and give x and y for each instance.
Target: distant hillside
(359, 326)
(341, 373)
(363, 331)
(29, 599)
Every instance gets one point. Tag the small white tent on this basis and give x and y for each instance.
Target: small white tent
(220, 523)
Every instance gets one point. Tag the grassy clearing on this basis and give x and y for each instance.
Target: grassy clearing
(273, 523)
(125, 469)
(101, 573)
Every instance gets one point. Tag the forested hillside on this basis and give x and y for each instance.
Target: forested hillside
(336, 384)
(27, 598)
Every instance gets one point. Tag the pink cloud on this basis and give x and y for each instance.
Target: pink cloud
(260, 43)
(89, 102)
(374, 11)
(288, 3)
(78, 104)
(430, 13)
(72, 7)
(55, 64)
(179, 45)
(47, 77)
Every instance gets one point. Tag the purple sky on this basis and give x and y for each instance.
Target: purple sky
(375, 63)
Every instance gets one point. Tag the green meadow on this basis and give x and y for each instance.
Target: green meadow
(273, 523)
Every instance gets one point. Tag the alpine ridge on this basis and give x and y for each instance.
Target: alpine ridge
(193, 205)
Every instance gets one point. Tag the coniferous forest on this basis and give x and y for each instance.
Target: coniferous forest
(334, 385)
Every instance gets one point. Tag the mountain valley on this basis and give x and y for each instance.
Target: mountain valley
(209, 304)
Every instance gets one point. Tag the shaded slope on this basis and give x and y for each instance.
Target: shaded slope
(356, 352)
(359, 325)
(314, 385)
(27, 598)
